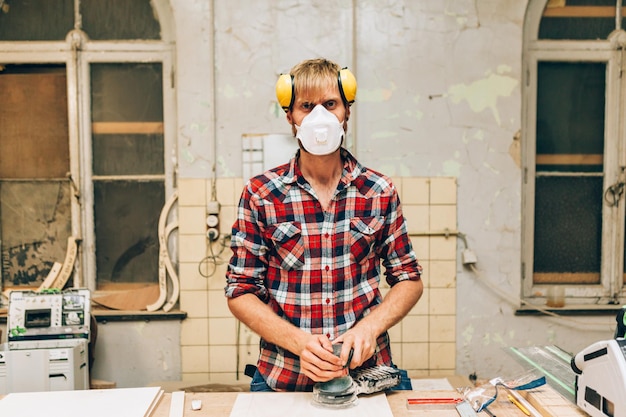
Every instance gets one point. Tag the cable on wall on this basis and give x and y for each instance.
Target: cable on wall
(517, 301)
(213, 259)
(469, 259)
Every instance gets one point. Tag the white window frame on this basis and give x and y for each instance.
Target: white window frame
(77, 53)
(611, 272)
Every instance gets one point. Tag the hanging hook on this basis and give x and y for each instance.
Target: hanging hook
(613, 193)
(73, 185)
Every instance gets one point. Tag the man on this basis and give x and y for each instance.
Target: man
(308, 243)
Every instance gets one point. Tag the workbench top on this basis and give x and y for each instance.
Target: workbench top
(545, 400)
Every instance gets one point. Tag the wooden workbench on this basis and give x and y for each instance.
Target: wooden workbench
(545, 400)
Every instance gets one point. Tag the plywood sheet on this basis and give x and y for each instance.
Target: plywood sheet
(301, 405)
(135, 299)
(33, 116)
(124, 402)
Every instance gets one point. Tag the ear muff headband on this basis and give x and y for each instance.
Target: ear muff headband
(285, 88)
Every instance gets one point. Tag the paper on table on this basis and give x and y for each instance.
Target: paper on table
(121, 402)
(301, 404)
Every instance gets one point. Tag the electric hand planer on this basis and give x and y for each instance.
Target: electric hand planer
(601, 375)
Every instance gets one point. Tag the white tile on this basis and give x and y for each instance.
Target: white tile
(222, 331)
(443, 190)
(194, 303)
(192, 220)
(194, 331)
(415, 190)
(191, 192)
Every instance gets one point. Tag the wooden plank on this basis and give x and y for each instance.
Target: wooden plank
(116, 128)
(68, 264)
(581, 11)
(52, 276)
(566, 278)
(135, 299)
(570, 159)
(220, 404)
(551, 404)
(34, 134)
(165, 263)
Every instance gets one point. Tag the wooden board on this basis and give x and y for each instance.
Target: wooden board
(220, 404)
(550, 403)
(135, 299)
(52, 276)
(68, 264)
(34, 134)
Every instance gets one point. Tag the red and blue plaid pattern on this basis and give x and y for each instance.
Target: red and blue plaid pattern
(318, 269)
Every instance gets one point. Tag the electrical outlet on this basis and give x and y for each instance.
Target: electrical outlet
(212, 234)
(213, 220)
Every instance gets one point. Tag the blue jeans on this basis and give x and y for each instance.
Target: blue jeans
(258, 383)
(405, 381)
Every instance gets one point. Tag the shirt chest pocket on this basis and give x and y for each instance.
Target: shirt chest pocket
(363, 235)
(288, 246)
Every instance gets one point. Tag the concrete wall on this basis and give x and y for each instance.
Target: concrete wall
(439, 98)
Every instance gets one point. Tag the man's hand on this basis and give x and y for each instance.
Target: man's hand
(362, 339)
(317, 360)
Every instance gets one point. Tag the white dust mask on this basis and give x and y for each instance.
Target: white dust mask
(320, 132)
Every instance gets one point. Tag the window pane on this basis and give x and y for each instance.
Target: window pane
(36, 20)
(119, 19)
(126, 226)
(127, 111)
(128, 154)
(567, 247)
(570, 116)
(34, 227)
(34, 124)
(576, 28)
(127, 92)
(579, 20)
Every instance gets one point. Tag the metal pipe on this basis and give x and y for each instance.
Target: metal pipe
(445, 233)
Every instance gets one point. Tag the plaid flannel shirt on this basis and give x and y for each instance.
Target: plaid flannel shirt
(320, 270)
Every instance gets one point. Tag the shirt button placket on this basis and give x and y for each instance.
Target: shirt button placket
(327, 282)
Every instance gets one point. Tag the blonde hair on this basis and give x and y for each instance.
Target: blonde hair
(314, 75)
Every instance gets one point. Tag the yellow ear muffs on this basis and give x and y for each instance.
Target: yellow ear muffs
(284, 91)
(345, 80)
(347, 86)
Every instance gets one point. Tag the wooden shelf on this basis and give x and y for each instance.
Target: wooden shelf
(581, 11)
(570, 159)
(116, 128)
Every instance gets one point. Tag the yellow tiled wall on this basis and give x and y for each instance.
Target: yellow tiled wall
(215, 347)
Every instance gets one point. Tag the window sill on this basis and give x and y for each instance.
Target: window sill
(573, 310)
(105, 316)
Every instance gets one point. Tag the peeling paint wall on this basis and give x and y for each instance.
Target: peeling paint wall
(439, 95)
